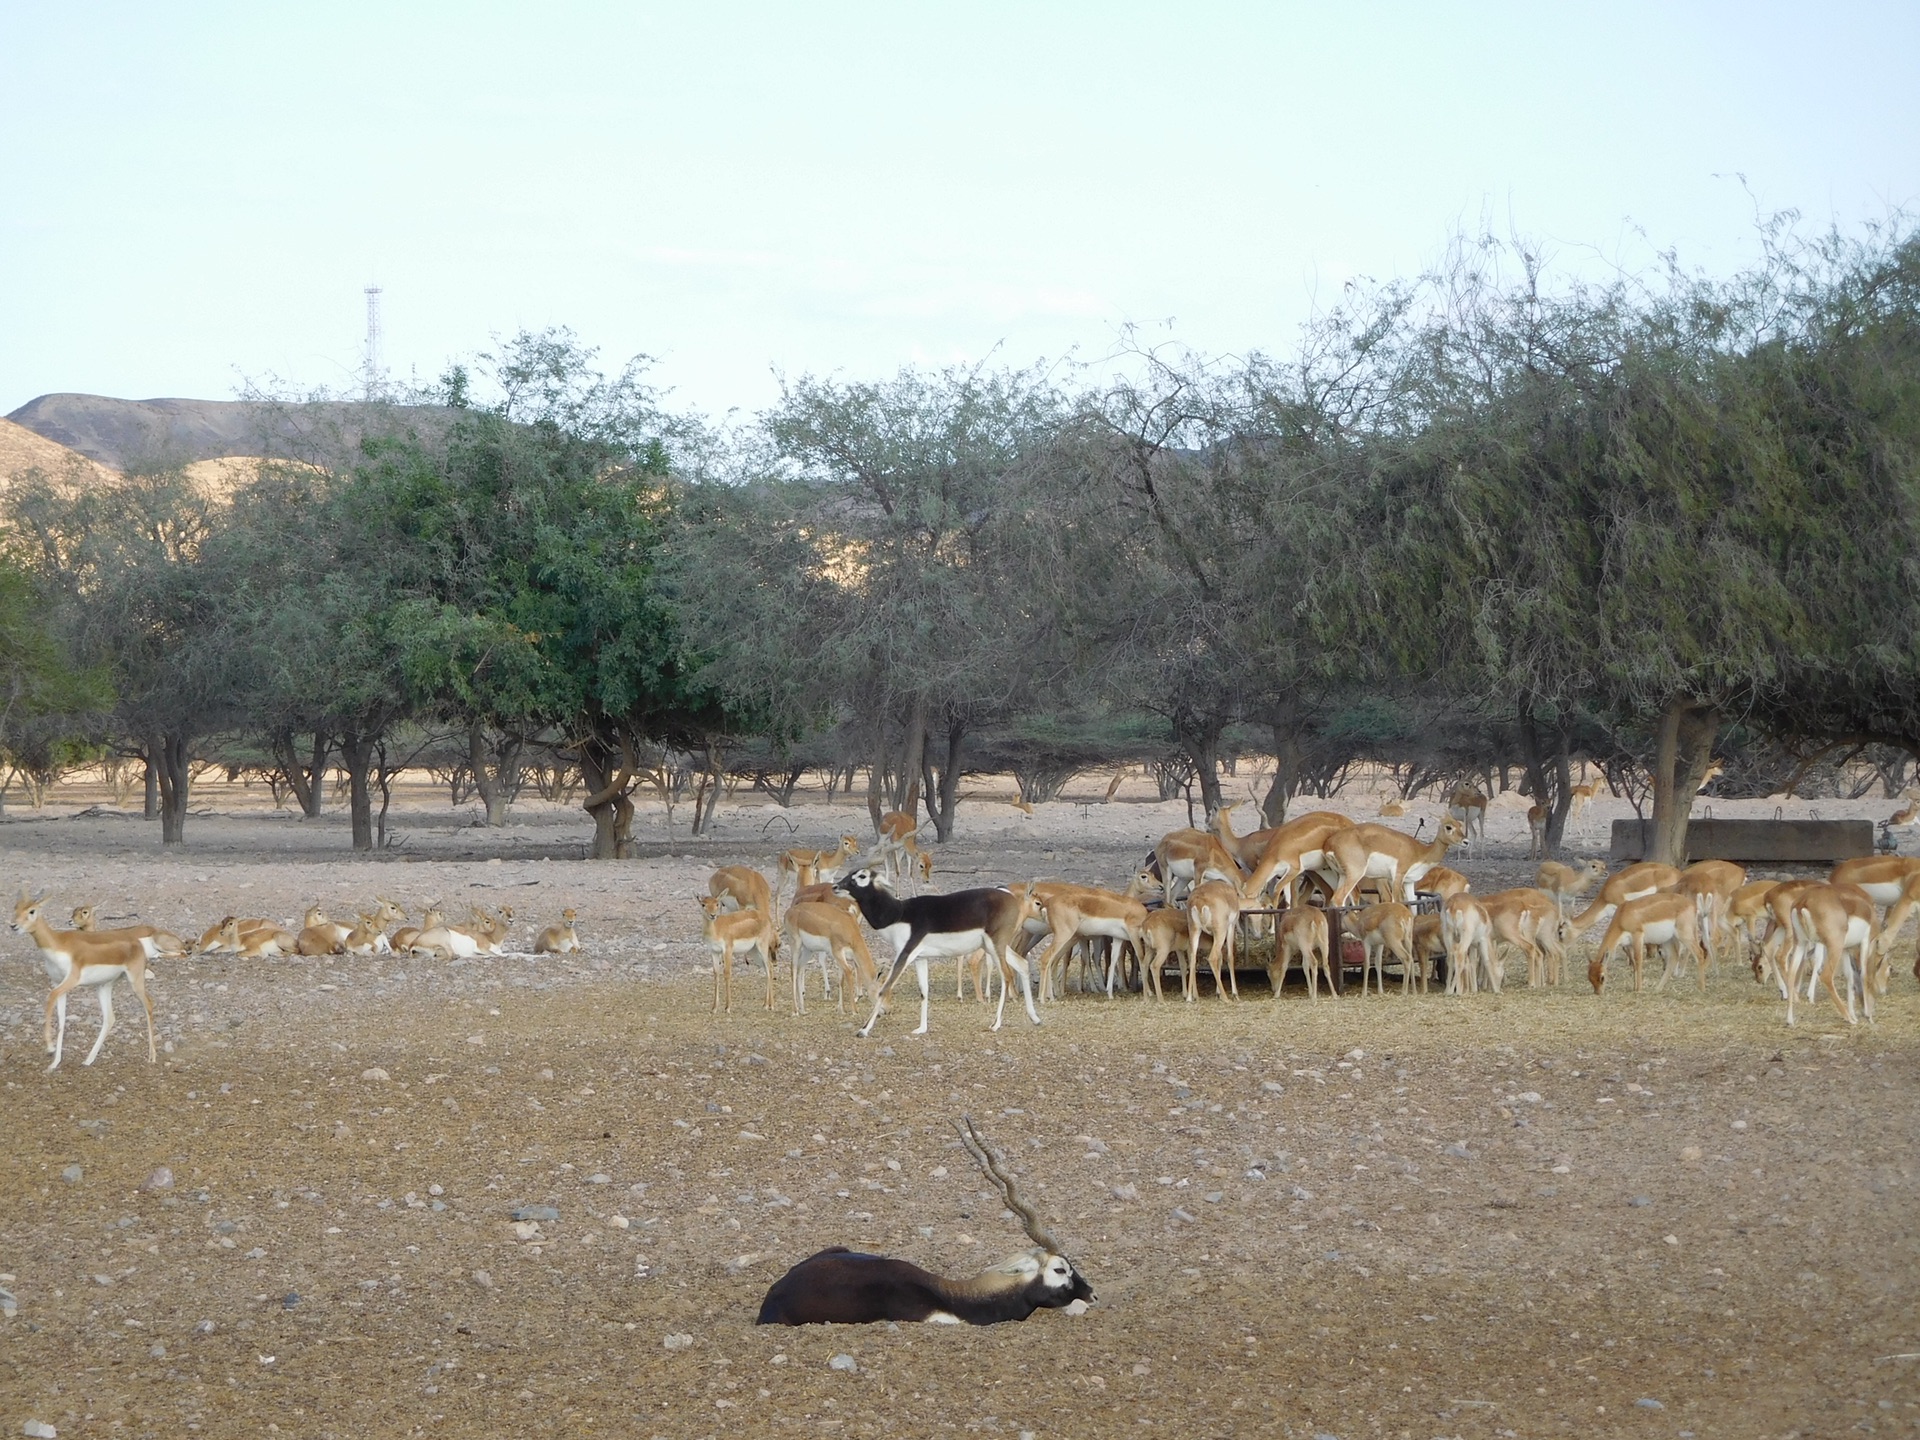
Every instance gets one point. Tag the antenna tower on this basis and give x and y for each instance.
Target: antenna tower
(375, 380)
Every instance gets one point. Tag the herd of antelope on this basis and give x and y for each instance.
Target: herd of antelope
(85, 957)
(1190, 901)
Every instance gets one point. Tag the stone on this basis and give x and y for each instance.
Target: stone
(205, 1327)
(435, 1190)
(676, 1342)
(619, 1222)
(1640, 1202)
(535, 1212)
(1273, 1087)
(160, 1179)
(374, 1072)
(1645, 1404)
(843, 1362)
(1180, 1212)
(257, 1253)
(483, 1279)
(158, 1350)
(1126, 1192)
(1458, 1150)
(1075, 1308)
(596, 1180)
(72, 1174)
(38, 1430)
(289, 1300)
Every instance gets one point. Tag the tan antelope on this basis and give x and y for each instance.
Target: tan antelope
(401, 941)
(1386, 932)
(1165, 936)
(1537, 817)
(165, 943)
(1293, 849)
(1187, 857)
(1528, 920)
(1302, 932)
(732, 933)
(1469, 807)
(1578, 799)
(1442, 883)
(744, 885)
(1661, 918)
(827, 932)
(1637, 881)
(445, 942)
(1712, 884)
(1379, 852)
(73, 958)
(1091, 915)
(561, 939)
(258, 944)
(1467, 932)
(804, 866)
(1890, 881)
(319, 935)
(896, 828)
(1429, 945)
(1567, 883)
(821, 892)
(1213, 908)
(1392, 809)
(1747, 917)
(1831, 923)
(366, 936)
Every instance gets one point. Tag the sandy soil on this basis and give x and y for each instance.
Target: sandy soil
(1538, 1213)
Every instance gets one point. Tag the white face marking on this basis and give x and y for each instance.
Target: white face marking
(1058, 1274)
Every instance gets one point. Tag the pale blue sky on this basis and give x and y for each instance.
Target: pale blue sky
(196, 193)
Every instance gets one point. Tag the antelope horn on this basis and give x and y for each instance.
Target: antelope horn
(989, 1165)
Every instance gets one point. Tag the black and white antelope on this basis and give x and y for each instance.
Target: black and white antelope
(938, 927)
(844, 1287)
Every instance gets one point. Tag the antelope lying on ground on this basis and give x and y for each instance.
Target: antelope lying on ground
(74, 958)
(843, 1287)
(165, 943)
(561, 939)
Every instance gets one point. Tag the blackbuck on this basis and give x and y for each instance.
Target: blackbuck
(805, 866)
(1386, 932)
(940, 927)
(74, 958)
(1469, 807)
(1567, 883)
(827, 932)
(165, 943)
(1711, 885)
(839, 1286)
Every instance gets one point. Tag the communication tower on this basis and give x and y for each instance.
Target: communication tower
(375, 380)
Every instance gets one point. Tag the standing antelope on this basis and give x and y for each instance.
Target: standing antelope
(1711, 885)
(1386, 931)
(1567, 883)
(1213, 908)
(731, 933)
(1537, 817)
(743, 885)
(1660, 918)
(1528, 920)
(1187, 857)
(1379, 852)
(839, 1286)
(1302, 931)
(930, 927)
(74, 958)
(1469, 807)
(1636, 882)
(826, 930)
(1093, 915)
(805, 865)
(1165, 934)
(1466, 929)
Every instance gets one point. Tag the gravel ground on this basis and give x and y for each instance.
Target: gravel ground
(1538, 1213)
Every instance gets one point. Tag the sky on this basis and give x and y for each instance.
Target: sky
(195, 195)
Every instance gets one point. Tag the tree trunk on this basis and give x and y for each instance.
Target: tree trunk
(608, 783)
(1682, 754)
(943, 790)
(176, 786)
(907, 788)
(152, 810)
(876, 784)
(356, 755)
(308, 782)
(1202, 744)
(707, 798)
(1548, 779)
(496, 787)
(1288, 756)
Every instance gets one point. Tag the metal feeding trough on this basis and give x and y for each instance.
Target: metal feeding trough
(1778, 842)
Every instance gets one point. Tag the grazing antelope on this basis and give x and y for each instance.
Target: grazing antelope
(1537, 817)
(1076, 914)
(1302, 932)
(1892, 881)
(1469, 807)
(1660, 918)
(839, 1286)
(804, 866)
(1292, 850)
(165, 942)
(1529, 920)
(827, 931)
(561, 939)
(742, 884)
(1567, 883)
(1822, 925)
(1747, 916)
(1386, 931)
(930, 927)
(731, 933)
(1379, 852)
(1711, 884)
(1633, 883)
(74, 958)
(1466, 930)
(1429, 945)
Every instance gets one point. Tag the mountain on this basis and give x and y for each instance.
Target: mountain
(117, 433)
(21, 449)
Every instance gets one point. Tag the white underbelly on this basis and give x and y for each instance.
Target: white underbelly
(1660, 932)
(938, 945)
(1885, 892)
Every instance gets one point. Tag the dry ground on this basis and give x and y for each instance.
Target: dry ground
(1520, 1215)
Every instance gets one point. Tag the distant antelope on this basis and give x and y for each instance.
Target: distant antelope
(1469, 807)
(561, 939)
(839, 1286)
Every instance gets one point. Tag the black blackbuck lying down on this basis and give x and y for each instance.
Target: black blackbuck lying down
(935, 927)
(843, 1287)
